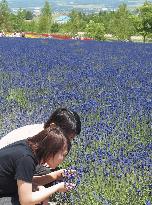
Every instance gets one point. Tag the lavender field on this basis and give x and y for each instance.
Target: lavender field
(110, 86)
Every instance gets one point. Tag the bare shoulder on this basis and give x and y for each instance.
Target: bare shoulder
(21, 133)
(27, 130)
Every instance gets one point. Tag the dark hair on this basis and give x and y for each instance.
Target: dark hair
(68, 121)
(47, 143)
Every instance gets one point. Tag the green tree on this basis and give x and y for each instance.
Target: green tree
(121, 25)
(20, 20)
(13, 20)
(144, 20)
(32, 26)
(28, 15)
(45, 19)
(55, 28)
(105, 17)
(76, 22)
(5, 21)
(95, 30)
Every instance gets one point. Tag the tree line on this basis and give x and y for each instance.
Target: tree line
(121, 24)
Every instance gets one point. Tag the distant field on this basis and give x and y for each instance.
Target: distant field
(110, 86)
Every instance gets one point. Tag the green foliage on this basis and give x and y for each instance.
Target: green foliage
(129, 188)
(105, 18)
(121, 25)
(1, 121)
(28, 15)
(5, 23)
(45, 19)
(55, 28)
(144, 20)
(95, 30)
(19, 20)
(18, 96)
(76, 23)
(32, 26)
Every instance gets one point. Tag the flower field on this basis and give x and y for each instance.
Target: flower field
(110, 86)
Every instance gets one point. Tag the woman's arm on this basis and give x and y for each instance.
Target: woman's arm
(27, 197)
(48, 178)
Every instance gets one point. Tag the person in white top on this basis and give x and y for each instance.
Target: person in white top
(68, 121)
(20, 134)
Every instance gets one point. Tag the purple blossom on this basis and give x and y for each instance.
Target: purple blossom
(108, 84)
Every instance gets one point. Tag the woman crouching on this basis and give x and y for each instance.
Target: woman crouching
(19, 160)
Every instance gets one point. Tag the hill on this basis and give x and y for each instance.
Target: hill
(109, 85)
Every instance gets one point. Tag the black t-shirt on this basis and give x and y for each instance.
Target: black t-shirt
(17, 162)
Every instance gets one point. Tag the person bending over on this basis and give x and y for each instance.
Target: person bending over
(18, 162)
(68, 121)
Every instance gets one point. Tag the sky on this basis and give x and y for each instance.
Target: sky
(69, 4)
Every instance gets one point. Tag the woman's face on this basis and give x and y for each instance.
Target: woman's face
(54, 161)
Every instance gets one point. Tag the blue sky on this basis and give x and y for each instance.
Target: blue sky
(30, 4)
